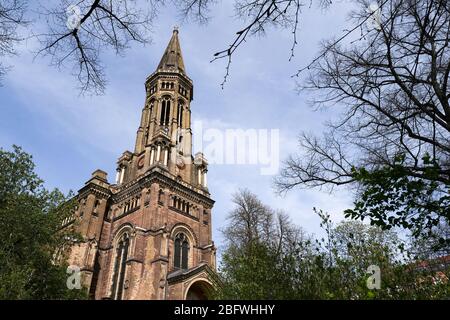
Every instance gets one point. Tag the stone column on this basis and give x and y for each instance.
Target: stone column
(152, 156)
(166, 156)
(158, 153)
(205, 182)
(117, 176)
(122, 174)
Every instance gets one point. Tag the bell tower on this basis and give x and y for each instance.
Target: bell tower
(164, 136)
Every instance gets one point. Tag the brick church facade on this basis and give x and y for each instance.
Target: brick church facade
(148, 235)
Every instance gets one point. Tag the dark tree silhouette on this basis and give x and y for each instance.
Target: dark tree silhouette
(393, 139)
(394, 87)
(78, 33)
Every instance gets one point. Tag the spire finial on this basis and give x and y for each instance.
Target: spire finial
(175, 29)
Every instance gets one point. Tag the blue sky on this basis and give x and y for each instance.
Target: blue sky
(70, 135)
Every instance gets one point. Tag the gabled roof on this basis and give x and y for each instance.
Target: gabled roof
(180, 275)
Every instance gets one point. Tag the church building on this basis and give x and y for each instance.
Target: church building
(148, 234)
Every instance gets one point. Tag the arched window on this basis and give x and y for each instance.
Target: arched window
(146, 134)
(174, 202)
(120, 266)
(180, 114)
(165, 112)
(181, 252)
(149, 119)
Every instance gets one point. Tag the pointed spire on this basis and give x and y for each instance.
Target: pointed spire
(172, 60)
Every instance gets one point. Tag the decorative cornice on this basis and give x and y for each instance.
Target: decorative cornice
(97, 190)
(169, 74)
(209, 246)
(135, 260)
(157, 174)
(160, 259)
(125, 214)
(183, 213)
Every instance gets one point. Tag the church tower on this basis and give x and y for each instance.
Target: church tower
(164, 136)
(148, 235)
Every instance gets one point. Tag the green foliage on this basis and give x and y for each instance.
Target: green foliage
(391, 197)
(30, 222)
(332, 267)
(255, 274)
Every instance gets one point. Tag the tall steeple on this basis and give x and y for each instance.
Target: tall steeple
(172, 60)
(164, 136)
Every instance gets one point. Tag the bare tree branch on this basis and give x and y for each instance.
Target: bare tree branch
(395, 94)
(77, 35)
(252, 222)
(197, 10)
(262, 14)
(11, 18)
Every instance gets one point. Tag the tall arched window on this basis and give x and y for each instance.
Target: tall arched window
(149, 119)
(165, 112)
(120, 265)
(181, 252)
(145, 137)
(180, 114)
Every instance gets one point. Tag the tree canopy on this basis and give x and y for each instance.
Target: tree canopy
(342, 264)
(30, 231)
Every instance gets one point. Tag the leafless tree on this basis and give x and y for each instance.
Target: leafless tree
(78, 32)
(259, 15)
(196, 10)
(392, 86)
(11, 18)
(251, 222)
